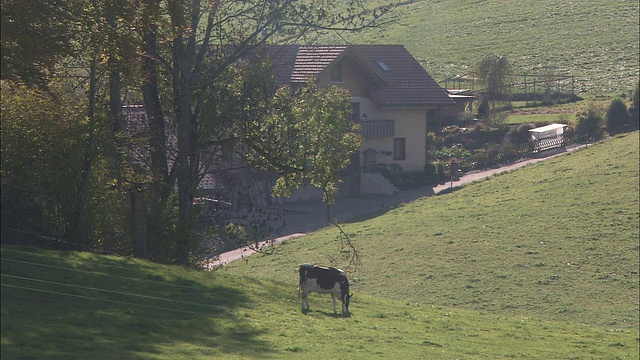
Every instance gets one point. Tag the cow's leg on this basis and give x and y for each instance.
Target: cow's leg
(305, 300)
(333, 299)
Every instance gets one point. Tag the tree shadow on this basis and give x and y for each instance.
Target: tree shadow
(380, 205)
(120, 309)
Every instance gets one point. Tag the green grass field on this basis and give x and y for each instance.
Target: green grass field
(595, 41)
(539, 263)
(540, 118)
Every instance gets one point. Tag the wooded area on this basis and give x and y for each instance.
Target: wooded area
(70, 173)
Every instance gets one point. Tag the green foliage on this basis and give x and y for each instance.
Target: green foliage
(408, 180)
(520, 134)
(479, 137)
(307, 136)
(635, 104)
(499, 154)
(34, 38)
(457, 152)
(590, 123)
(617, 114)
(42, 147)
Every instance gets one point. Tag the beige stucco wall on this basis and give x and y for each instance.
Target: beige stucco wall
(353, 79)
(409, 123)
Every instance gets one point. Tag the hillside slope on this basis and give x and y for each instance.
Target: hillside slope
(539, 263)
(64, 305)
(556, 240)
(594, 40)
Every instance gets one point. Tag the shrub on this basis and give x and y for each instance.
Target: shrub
(635, 106)
(617, 114)
(520, 134)
(410, 180)
(480, 126)
(429, 169)
(466, 118)
(455, 151)
(590, 123)
(496, 154)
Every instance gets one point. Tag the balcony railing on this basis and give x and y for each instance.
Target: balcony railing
(376, 129)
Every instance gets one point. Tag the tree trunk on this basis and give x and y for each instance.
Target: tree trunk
(152, 105)
(136, 195)
(182, 60)
(77, 229)
(139, 219)
(161, 183)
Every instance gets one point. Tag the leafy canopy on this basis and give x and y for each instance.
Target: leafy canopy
(308, 135)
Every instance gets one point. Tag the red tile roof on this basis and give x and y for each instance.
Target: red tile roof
(406, 83)
(311, 60)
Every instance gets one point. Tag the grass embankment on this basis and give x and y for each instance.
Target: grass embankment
(595, 41)
(538, 263)
(557, 240)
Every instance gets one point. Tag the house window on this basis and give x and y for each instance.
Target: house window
(383, 66)
(336, 75)
(399, 149)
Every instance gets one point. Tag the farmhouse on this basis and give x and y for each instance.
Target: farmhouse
(392, 95)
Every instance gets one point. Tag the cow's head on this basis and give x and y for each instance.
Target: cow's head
(345, 302)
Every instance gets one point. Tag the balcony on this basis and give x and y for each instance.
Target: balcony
(377, 129)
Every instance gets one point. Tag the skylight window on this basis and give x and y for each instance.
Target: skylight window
(382, 65)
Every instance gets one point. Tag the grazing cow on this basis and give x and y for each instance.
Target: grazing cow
(324, 280)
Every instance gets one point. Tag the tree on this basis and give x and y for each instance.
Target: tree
(42, 157)
(617, 115)
(61, 47)
(35, 38)
(495, 73)
(226, 31)
(635, 106)
(307, 136)
(590, 123)
(179, 52)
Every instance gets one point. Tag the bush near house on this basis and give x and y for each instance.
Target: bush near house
(617, 115)
(411, 179)
(590, 123)
(481, 146)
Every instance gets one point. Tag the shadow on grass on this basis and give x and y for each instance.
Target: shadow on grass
(55, 308)
(327, 313)
(380, 205)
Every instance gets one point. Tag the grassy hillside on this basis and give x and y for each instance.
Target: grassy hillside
(59, 305)
(555, 240)
(594, 40)
(540, 263)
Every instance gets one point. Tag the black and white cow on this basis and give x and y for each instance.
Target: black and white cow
(324, 280)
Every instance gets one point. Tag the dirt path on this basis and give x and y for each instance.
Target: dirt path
(308, 216)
